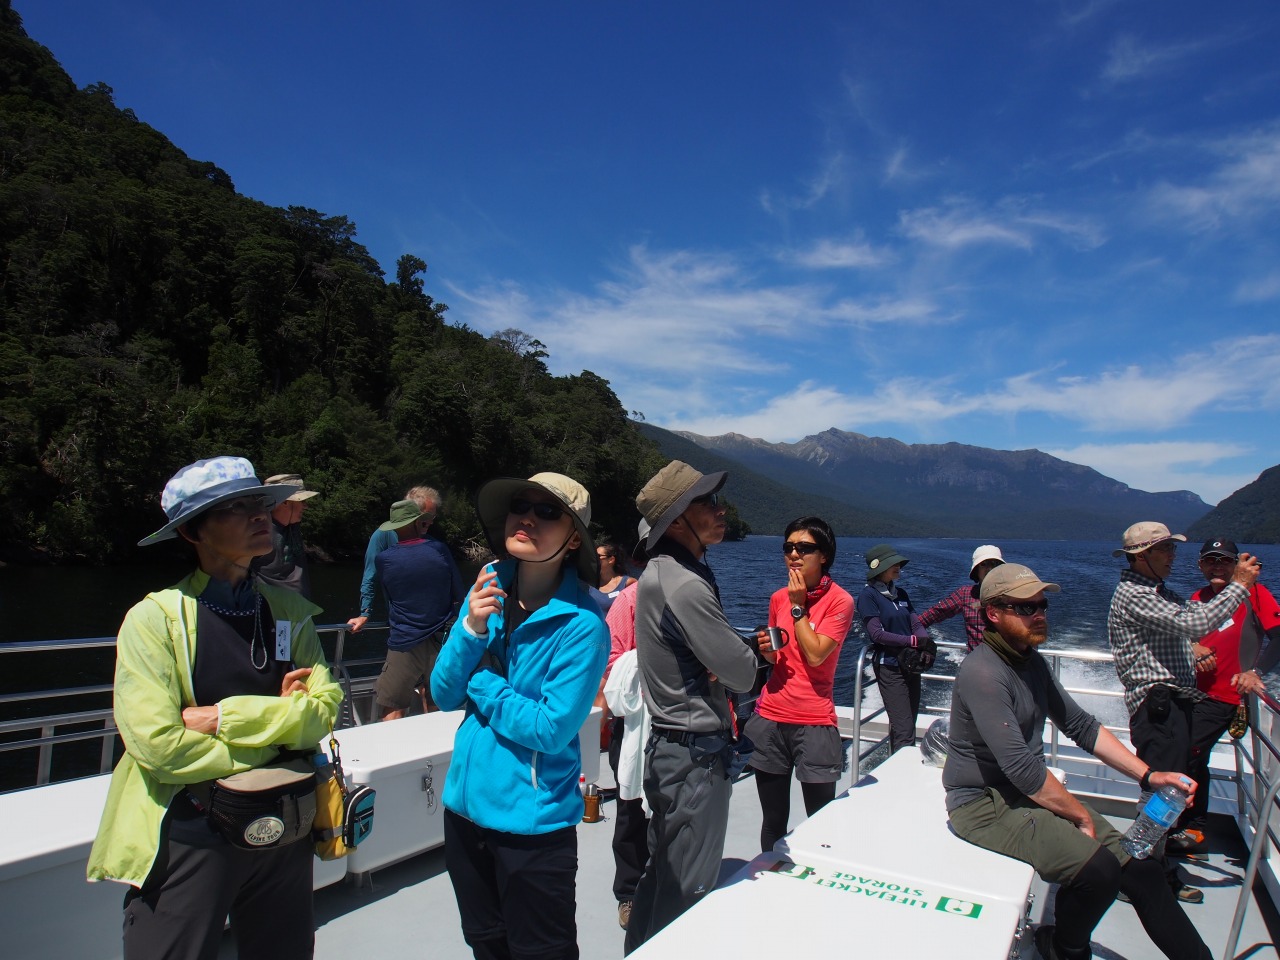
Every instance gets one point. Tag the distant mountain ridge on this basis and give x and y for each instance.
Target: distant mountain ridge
(951, 489)
(1250, 515)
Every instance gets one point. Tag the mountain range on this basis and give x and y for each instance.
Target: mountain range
(877, 486)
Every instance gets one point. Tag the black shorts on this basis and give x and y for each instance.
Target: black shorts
(814, 752)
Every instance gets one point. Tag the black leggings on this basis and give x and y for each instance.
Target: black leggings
(1082, 902)
(775, 804)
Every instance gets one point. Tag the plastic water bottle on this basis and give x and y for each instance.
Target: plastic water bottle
(1159, 814)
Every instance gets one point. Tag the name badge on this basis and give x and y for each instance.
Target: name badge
(1228, 625)
(284, 641)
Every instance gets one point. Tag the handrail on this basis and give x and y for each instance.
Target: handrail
(47, 724)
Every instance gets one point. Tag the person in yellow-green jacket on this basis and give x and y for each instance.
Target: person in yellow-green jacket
(216, 676)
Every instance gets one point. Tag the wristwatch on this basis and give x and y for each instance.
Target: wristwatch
(797, 612)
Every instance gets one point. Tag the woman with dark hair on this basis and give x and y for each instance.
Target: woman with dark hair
(613, 575)
(524, 660)
(794, 726)
(891, 624)
(218, 675)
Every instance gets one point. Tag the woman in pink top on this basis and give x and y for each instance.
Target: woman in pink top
(794, 726)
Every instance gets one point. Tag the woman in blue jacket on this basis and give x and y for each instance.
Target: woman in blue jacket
(891, 624)
(525, 662)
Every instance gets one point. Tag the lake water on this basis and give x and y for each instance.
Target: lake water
(47, 603)
(50, 603)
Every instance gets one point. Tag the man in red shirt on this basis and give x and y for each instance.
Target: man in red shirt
(1227, 667)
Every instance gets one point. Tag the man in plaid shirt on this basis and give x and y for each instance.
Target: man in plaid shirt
(1151, 629)
(964, 599)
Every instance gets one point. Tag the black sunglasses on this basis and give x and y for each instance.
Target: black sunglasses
(1026, 609)
(802, 547)
(542, 510)
(708, 500)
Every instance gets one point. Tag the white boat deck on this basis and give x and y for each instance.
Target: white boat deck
(408, 906)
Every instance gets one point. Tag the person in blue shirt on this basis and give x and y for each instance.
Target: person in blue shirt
(524, 661)
(424, 592)
(429, 500)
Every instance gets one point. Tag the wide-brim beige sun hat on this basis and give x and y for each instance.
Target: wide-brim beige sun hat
(669, 493)
(1144, 536)
(493, 503)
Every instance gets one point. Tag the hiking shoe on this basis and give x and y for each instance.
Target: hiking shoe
(1044, 941)
(1188, 843)
(1186, 894)
(624, 913)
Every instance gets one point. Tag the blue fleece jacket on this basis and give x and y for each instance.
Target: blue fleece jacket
(516, 759)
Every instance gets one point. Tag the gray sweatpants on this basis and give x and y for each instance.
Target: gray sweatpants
(690, 804)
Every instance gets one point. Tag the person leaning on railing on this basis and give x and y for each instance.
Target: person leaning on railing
(216, 676)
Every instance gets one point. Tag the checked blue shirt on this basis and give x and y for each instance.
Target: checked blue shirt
(1151, 628)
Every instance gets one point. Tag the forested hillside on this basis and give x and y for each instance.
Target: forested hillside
(1250, 515)
(150, 316)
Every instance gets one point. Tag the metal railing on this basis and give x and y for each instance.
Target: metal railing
(49, 730)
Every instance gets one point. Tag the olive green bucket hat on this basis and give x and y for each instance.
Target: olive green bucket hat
(880, 558)
(669, 493)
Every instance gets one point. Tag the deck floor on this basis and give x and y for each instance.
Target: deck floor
(409, 908)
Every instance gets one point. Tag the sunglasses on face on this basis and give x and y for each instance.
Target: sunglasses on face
(802, 547)
(244, 507)
(542, 510)
(710, 500)
(1027, 609)
(1216, 560)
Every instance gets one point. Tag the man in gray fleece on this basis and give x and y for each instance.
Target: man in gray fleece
(689, 658)
(1001, 795)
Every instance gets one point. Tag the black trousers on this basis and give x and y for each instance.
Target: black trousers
(1209, 721)
(516, 893)
(630, 832)
(1161, 735)
(901, 695)
(180, 912)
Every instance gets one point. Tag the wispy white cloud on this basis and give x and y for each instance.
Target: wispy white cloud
(1159, 396)
(677, 315)
(830, 176)
(1013, 221)
(1130, 58)
(1244, 185)
(1164, 465)
(855, 253)
(1259, 289)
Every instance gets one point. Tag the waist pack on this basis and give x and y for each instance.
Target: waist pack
(265, 808)
(344, 816)
(917, 659)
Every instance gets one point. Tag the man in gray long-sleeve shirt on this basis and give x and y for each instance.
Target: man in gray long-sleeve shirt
(689, 657)
(1001, 795)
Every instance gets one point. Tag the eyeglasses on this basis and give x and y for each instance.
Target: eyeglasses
(1168, 546)
(542, 510)
(708, 500)
(802, 547)
(1218, 560)
(244, 507)
(1027, 609)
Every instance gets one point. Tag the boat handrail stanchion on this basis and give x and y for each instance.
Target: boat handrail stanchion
(1261, 840)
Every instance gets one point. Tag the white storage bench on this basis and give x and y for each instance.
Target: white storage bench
(825, 910)
(895, 818)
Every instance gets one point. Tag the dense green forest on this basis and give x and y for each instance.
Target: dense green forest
(1250, 515)
(150, 315)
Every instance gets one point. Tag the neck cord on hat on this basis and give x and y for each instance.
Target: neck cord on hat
(257, 639)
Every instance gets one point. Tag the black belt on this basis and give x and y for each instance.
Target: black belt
(685, 737)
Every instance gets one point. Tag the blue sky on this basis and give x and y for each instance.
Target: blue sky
(1013, 224)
